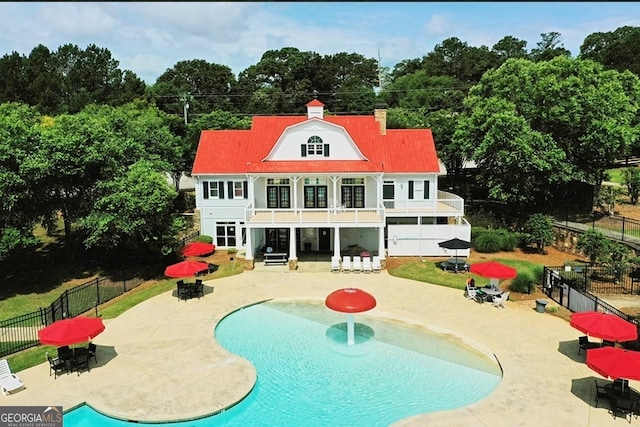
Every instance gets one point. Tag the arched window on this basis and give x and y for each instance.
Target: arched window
(314, 146)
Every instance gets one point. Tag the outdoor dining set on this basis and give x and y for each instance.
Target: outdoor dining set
(188, 290)
(606, 355)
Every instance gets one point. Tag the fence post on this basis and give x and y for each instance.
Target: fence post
(593, 220)
(622, 234)
(97, 291)
(65, 309)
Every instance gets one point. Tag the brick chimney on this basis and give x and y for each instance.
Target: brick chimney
(380, 116)
(315, 109)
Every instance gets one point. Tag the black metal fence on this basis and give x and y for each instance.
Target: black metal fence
(601, 279)
(616, 227)
(559, 286)
(21, 332)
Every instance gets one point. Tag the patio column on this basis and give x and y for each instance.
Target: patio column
(381, 242)
(249, 246)
(336, 242)
(292, 243)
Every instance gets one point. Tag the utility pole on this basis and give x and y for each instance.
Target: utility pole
(184, 98)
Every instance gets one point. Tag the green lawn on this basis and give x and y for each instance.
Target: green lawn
(615, 174)
(429, 272)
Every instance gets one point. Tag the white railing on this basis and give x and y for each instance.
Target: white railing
(446, 203)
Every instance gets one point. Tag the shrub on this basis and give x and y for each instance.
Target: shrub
(509, 239)
(523, 283)
(232, 250)
(488, 242)
(204, 239)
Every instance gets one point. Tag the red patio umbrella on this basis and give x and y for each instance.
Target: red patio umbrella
(71, 331)
(604, 325)
(185, 268)
(198, 249)
(614, 363)
(493, 270)
(350, 301)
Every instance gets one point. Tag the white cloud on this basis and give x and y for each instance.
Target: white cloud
(437, 25)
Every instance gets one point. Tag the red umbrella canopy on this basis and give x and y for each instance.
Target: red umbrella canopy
(198, 249)
(71, 331)
(604, 325)
(493, 270)
(614, 363)
(350, 300)
(185, 268)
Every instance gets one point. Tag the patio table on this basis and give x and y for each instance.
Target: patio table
(490, 292)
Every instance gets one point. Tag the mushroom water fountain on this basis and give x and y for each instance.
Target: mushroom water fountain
(350, 301)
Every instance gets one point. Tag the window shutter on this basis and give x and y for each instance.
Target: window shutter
(221, 189)
(303, 150)
(426, 190)
(326, 150)
(245, 189)
(230, 187)
(410, 190)
(205, 190)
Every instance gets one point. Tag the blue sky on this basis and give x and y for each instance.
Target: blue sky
(150, 37)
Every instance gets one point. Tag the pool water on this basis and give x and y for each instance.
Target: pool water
(308, 376)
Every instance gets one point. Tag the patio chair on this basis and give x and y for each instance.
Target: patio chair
(335, 264)
(472, 292)
(625, 406)
(357, 264)
(585, 344)
(376, 266)
(9, 382)
(197, 289)
(499, 301)
(92, 351)
(602, 393)
(81, 359)
(66, 355)
(346, 264)
(366, 264)
(183, 290)
(56, 366)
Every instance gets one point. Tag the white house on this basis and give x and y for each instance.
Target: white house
(326, 184)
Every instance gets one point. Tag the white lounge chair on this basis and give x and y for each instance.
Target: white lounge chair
(335, 264)
(376, 266)
(346, 264)
(357, 264)
(472, 292)
(499, 302)
(9, 381)
(366, 264)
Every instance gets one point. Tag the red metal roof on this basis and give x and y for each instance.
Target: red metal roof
(315, 103)
(243, 151)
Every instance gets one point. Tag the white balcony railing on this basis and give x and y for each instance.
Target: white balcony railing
(446, 204)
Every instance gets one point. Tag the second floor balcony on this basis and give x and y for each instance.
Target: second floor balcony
(446, 204)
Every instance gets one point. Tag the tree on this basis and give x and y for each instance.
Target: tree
(618, 50)
(562, 118)
(15, 81)
(607, 197)
(134, 211)
(443, 125)
(539, 227)
(207, 86)
(593, 244)
(631, 178)
(419, 91)
(457, 59)
(510, 47)
(21, 205)
(399, 118)
(549, 47)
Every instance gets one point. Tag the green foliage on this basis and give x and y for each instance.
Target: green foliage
(484, 218)
(523, 283)
(593, 244)
(533, 126)
(204, 239)
(399, 118)
(631, 179)
(488, 241)
(539, 228)
(607, 197)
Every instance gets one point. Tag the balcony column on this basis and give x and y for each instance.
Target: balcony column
(336, 242)
(293, 255)
(334, 203)
(295, 180)
(381, 243)
(249, 246)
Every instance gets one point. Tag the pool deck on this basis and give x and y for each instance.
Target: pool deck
(158, 361)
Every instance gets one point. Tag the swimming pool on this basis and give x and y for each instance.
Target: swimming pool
(307, 375)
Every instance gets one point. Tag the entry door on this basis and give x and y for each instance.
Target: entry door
(278, 239)
(324, 239)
